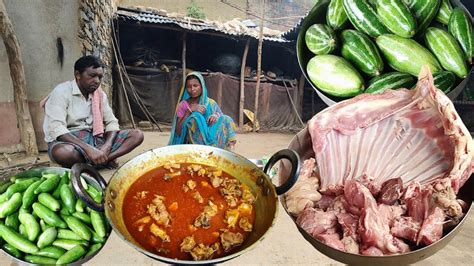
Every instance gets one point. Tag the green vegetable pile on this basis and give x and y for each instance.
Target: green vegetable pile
(374, 45)
(42, 222)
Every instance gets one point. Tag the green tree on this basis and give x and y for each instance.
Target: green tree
(195, 11)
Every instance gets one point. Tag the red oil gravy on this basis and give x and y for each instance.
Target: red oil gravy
(183, 208)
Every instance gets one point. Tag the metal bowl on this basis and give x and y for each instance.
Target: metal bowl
(318, 15)
(302, 144)
(59, 171)
(266, 204)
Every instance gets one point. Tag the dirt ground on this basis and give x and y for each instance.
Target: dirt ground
(283, 245)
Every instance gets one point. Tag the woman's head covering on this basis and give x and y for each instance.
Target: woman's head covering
(184, 95)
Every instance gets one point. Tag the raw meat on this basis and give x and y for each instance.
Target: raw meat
(372, 251)
(388, 167)
(390, 213)
(432, 228)
(406, 228)
(325, 201)
(374, 228)
(317, 222)
(305, 192)
(331, 240)
(391, 191)
(412, 134)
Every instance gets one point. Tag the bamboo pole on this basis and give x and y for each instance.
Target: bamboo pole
(300, 93)
(219, 91)
(183, 58)
(259, 64)
(242, 84)
(134, 92)
(292, 103)
(17, 72)
(124, 90)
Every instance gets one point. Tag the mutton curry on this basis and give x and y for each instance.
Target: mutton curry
(189, 211)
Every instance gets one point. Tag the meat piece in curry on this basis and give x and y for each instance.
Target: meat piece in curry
(157, 211)
(171, 165)
(231, 187)
(216, 178)
(247, 196)
(173, 169)
(197, 196)
(229, 239)
(140, 195)
(204, 218)
(231, 190)
(204, 252)
(169, 176)
(245, 224)
(191, 184)
(188, 244)
(231, 200)
(197, 212)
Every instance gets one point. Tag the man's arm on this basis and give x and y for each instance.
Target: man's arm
(55, 111)
(109, 137)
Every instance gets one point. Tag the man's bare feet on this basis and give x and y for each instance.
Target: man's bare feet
(110, 165)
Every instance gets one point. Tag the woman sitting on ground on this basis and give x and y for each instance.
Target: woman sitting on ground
(198, 118)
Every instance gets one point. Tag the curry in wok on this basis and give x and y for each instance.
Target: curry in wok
(189, 211)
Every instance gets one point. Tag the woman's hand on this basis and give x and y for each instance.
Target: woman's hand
(198, 108)
(212, 119)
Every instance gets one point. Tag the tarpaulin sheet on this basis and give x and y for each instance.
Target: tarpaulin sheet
(159, 92)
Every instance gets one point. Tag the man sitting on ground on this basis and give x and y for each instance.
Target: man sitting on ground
(79, 124)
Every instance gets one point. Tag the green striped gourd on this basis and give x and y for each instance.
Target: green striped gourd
(406, 55)
(335, 76)
(424, 12)
(444, 12)
(396, 16)
(364, 18)
(391, 80)
(336, 17)
(359, 50)
(320, 39)
(460, 27)
(444, 80)
(447, 51)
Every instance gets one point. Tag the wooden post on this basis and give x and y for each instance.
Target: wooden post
(259, 63)
(242, 84)
(17, 72)
(119, 73)
(219, 90)
(183, 58)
